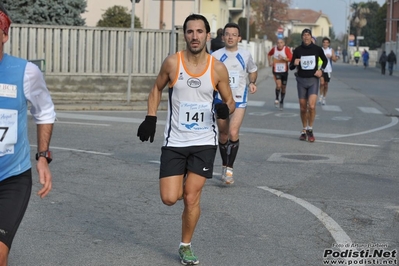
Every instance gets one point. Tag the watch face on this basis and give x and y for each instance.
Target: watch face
(45, 154)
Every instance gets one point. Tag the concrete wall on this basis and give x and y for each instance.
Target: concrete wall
(70, 88)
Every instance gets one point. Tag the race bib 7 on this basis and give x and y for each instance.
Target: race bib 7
(8, 131)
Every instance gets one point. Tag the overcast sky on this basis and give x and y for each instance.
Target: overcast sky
(334, 9)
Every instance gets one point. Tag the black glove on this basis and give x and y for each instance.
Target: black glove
(222, 111)
(147, 128)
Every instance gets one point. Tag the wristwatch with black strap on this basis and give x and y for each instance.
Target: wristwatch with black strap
(46, 154)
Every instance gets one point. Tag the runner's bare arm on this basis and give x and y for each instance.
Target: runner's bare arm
(252, 81)
(44, 132)
(333, 56)
(164, 76)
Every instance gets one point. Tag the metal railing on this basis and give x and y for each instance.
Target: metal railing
(89, 50)
(65, 50)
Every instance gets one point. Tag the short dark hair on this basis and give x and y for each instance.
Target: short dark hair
(326, 39)
(232, 25)
(197, 17)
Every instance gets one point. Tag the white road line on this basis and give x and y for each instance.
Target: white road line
(284, 132)
(394, 122)
(256, 103)
(287, 105)
(330, 108)
(333, 108)
(103, 118)
(83, 151)
(349, 144)
(370, 110)
(395, 208)
(291, 105)
(84, 124)
(397, 109)
(332, 226)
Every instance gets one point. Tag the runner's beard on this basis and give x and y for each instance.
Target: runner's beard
(196, 50)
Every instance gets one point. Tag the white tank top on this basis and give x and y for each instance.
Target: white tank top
(191, 120)
(328, 51)
(279, 66)
(277, 52)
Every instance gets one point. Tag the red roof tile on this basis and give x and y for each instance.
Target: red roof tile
(306, 16)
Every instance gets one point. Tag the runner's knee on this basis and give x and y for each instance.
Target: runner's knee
(169, 200)
(3, 254)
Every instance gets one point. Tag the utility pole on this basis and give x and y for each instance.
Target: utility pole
(130, 61)
(172, 48)
(390, 24)
(248, 13)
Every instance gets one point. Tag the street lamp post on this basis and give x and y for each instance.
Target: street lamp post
(172, 48)
(348, 29)
(390, 24)
(248, 17)
(129, 67)
(347, 26)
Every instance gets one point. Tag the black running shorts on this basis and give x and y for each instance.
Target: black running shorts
(327, 76)
(179, 160)
(283, 76)
(14, 198)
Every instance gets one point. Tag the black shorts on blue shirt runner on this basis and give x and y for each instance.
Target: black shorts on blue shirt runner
(14, 198)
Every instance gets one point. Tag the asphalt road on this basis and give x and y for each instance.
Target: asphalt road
(292, 201)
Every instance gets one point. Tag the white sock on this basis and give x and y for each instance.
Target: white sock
(184, 244)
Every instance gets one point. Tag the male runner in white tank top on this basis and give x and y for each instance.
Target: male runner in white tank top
(188, 152)
(279, 57)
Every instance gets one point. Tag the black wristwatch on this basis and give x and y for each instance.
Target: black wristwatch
(46, 154)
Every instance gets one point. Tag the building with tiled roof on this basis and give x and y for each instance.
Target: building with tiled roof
(299, 19)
